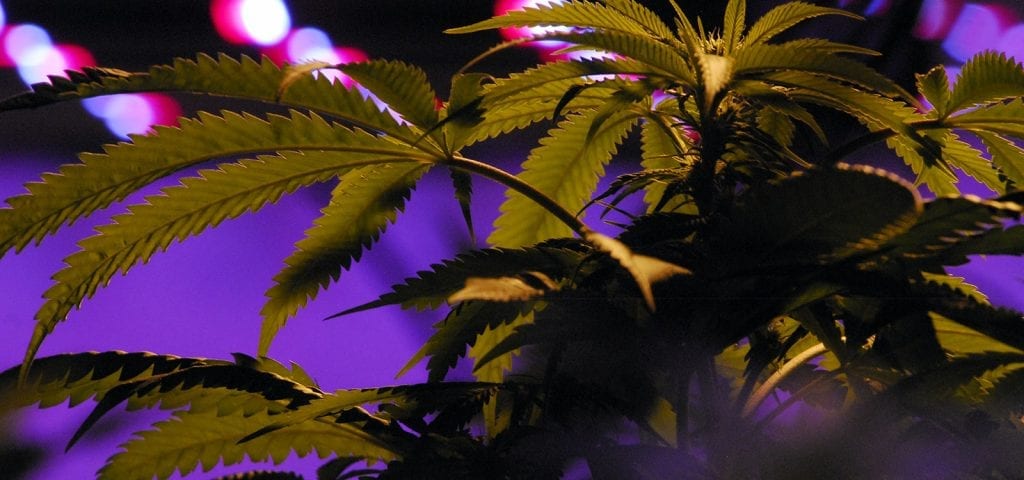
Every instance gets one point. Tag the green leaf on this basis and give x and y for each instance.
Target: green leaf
(224, 76)
(796, 220)
(463, 112)
(566, 170)
(659, 151)
(962, 155)
(462, 184)
(827, 47)
(460, 328)
(934, 85)
(733, 25)
(987, 77)
(751, 61)
(645, 270)
(1006, 156)
(651, 52)
(1001, 118)
(186, 210)
(187, 441)
(955, 222)
(551, 80)
(490, 365)
(784, 17)
(101, 179)
(576, 15)
(643, 16)
(362, 205)
(79, 376)
(221, 389)
(403, 87)
(262, 475)
(430, 288)
(526, 286)
(960, 340)
(957, 284)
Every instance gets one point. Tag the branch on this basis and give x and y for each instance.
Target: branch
(517, 184)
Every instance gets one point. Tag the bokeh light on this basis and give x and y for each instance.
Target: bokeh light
(27, 44)
(549, 50)
(978, 28)
(259, 22)
(877, 7)
(134, 113)
(1012, 42)
(936, 17)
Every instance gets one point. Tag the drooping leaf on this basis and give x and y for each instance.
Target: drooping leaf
(948, 222)
(101, 179)
(564, 169)
(797, 219)
(785, 16)
(221, 389)
(462, 183)
(365, 201)
(187, 441)
(223, 76)
(401, 86)
(754, 60)
(186, 210)
(343, 407)
(987, 77)
(80, 376)
(827, 47)
(645, 270)
(430, 288)
(460, 328)
(265, 364)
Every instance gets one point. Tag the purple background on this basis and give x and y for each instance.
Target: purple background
(202, 297)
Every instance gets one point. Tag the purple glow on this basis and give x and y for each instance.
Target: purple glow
(1012, 42)
(936, 18)
(877, 7)
(978, 28)
(3, 18)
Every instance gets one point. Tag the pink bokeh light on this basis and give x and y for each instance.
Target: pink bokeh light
(976, 29)
(259, 22)
(936, 18)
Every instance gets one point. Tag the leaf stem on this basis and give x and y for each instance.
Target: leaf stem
(517, 184)
(773, 381)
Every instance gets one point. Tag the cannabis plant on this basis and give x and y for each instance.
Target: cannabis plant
(774, 311)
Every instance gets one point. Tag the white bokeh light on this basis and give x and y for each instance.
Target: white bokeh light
(266, 22)
(28, 44)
